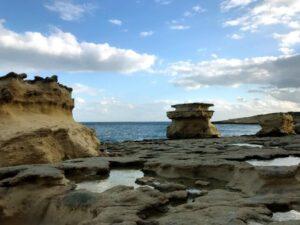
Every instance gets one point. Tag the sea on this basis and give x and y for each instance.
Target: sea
(137, 131)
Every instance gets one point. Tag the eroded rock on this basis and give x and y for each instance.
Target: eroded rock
(37, 125)
(277, 124)
(238, 193)
(191, 121)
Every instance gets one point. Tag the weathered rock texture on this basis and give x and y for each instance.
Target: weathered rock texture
(37, 125)
(278, 124)
(296, 116)
(236, 192)
(191, 121)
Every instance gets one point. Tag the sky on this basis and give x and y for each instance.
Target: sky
(130, 60)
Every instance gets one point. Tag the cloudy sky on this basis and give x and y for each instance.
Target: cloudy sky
(130, 60)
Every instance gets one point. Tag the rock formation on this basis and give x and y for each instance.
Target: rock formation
(277, 124)
(296, 117)
(36, 123)
(191, 121)
(255, 119)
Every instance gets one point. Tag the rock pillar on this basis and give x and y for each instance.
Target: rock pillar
(191, 121)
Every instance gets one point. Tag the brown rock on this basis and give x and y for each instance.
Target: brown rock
(37, 125)
(145, 180)
(277, 124)
(177, 195)
(191, 121)
(202, 183)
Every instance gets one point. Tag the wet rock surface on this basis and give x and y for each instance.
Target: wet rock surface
(201, 182)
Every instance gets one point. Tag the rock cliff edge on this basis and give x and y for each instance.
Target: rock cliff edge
(37, 125)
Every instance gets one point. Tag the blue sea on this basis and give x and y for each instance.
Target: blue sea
(135, 131)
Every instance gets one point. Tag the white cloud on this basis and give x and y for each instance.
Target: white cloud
(108, 109)
(250, 107)
(68, 10)
(83, 89)
(197, 9)
(268, 12)
(79, 101)
(116, 22)
(281, 72)
(214, 55)
(285, 13)
(146, 33)
(287, 41)
(164, 2)
(61, 51)
(236, 36)
(230, 4)
(179, 27)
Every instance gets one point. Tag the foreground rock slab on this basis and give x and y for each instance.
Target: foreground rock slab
(37, 125)
(194, 181)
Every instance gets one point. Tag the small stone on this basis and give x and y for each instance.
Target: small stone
(145, 180)
(177, 195)
(202, 183)
(168, 187)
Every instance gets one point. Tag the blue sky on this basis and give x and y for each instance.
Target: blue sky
(130, 60)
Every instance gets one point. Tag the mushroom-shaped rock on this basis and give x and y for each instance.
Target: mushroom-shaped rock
(191, 121)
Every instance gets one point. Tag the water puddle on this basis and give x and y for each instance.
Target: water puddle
(194, 192)
(247, 145)
(283, 161)
(116, 177)
(286, 216)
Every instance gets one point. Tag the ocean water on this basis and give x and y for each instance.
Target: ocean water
(135, 131)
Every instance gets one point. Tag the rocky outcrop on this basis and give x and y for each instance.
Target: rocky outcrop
(278, 124)
(36, 123)
(255, 119)
(191, 121)
(296, 117)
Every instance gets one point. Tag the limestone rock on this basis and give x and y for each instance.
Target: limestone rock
(278, 124)
(191, 121)
(37, 125)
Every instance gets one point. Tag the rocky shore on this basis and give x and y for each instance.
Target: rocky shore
(53, 171)
(196, 181)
